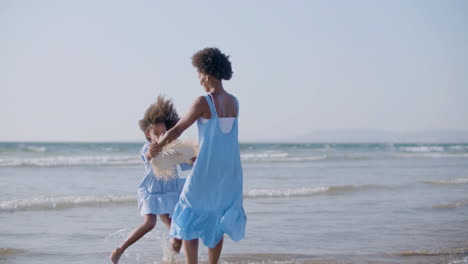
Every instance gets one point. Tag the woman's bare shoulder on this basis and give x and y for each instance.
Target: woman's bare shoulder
(200, 101)
(200, 105)
(231, 96)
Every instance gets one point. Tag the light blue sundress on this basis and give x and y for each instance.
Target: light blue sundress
(210, 204)
(156, 196)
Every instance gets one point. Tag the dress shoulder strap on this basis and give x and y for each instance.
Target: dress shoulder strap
(237, 104)
(210, 102)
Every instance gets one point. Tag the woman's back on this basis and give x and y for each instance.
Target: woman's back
(228, 107)
(225, 104)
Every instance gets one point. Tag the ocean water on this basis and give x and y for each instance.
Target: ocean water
(305, 203)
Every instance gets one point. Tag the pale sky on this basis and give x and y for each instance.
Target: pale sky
(87, 70)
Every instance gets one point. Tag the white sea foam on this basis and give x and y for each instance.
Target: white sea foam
(432, 155)
(257, 193)
(421, 149)
(308, 191)
(36, 148)
(458, 147)
(278, 156)
(264, 155)
(57, 161)
(123, 233)
(450, 181)
(116, 160)
(454, 151)
(62, 202)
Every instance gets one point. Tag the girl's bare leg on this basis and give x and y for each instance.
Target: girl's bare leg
(166, 220)
(214, 253)
(191, 251)
(148, 223)
(175, 243)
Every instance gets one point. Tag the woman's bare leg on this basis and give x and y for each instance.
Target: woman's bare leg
(214, 253)
(175, 243)
(191, 251)
(148, 223)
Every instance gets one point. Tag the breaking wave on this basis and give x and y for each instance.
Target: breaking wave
(58, 161)
(451, 181)
(64, 202)
(309, 191)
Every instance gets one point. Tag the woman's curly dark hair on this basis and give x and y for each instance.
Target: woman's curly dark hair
(163, 111)
(213, 62)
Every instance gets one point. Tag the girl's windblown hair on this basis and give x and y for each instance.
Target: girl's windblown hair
(163, 111)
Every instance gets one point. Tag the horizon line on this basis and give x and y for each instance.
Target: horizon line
(257, 142)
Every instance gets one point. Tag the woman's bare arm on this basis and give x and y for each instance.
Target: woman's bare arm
(195, 111)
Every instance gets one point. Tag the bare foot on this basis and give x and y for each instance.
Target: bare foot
(114, 257)
(176, 244)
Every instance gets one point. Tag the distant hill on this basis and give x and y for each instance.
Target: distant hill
(370, 135)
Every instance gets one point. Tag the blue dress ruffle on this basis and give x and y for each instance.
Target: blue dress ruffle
(231, 222)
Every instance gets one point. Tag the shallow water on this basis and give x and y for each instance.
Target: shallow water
(306, 203)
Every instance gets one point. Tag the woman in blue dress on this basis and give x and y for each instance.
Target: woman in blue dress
(211, 203)
(156, 196)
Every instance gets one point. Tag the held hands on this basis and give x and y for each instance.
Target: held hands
(153, 150)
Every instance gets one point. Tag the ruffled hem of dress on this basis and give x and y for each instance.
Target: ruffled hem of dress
(209, 226)
(157, 204)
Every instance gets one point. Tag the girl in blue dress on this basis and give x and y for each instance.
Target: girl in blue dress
(156, 196)
(210, 204)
